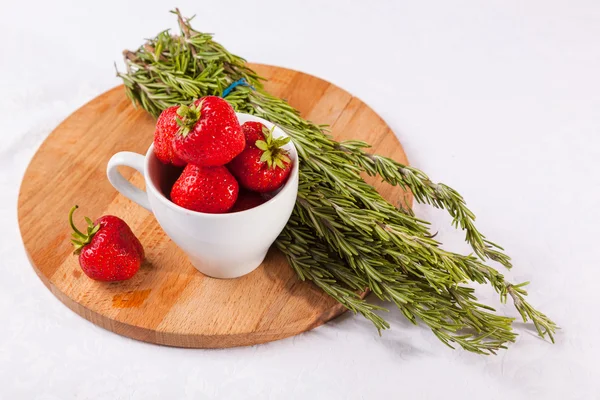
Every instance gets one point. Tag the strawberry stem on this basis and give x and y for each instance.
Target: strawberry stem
(77, 231)
(80, 239)
(273, 152)
(187, 117)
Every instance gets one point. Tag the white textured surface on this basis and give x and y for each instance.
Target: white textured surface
(500, 99)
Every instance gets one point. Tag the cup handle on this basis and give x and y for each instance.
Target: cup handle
(135, 161)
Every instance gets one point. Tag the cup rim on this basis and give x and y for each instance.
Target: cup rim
(286, 187)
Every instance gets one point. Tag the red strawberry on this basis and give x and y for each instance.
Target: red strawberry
(247, 200)
(264, 165)
(209, 133)
(205, 189)
(253, 131)
(166, 129)
(108, 251)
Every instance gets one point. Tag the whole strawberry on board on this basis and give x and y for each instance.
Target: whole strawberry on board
(205, 189)
(264, 164)
(166, 129)
(209, 133)
(108, 251)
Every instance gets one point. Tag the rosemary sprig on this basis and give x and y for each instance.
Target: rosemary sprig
(426, 191)
(453, 315)
(343, 236)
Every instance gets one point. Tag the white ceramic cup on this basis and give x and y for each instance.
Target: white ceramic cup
(218, 245)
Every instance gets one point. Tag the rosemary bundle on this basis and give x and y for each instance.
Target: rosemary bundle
(343, 235)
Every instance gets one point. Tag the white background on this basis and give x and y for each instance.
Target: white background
(500, 99)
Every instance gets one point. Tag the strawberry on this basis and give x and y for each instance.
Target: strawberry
(205, 189)
(209, 134)
(108, 251)
(166, 129)
(247, 200)
(264, 165)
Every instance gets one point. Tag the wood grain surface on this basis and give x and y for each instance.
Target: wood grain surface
(169, 302)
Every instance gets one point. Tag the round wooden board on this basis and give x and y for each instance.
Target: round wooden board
(169, 302)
